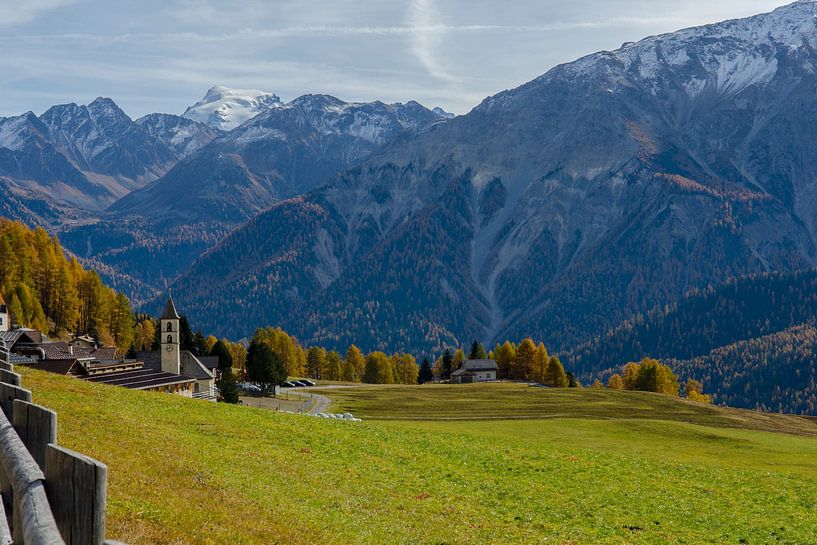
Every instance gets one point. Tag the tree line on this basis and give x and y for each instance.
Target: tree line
(46, 291)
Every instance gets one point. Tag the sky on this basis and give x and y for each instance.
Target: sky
(163, 55)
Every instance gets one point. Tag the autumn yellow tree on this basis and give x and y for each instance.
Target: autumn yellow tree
(355, 362)
(524, 361)
(615, 382)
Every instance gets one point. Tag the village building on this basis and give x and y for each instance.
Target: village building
(83, 341)
(170, 370)
(475, 371)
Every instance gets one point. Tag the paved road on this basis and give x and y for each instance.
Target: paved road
(320, 402)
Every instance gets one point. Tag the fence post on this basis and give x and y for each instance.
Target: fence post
(76, 486)
(8, 393)
(36, 426)
(10, 377)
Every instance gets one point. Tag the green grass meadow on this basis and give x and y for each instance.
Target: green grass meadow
(587, 467)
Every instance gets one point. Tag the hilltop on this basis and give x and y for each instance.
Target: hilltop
(183, 471)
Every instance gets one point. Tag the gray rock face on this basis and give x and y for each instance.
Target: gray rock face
(180, 134)
(85, 156)
(101, 138)
(30, 164)
(600, 189)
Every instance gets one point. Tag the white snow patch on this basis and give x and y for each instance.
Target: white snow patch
(226, 109)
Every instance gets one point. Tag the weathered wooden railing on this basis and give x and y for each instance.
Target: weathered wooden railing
(51, 495)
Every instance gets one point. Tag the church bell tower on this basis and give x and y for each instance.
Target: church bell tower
(169, 322)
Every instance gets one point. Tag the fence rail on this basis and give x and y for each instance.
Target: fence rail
(50, 495)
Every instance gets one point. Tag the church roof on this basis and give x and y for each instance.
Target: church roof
(170, 310)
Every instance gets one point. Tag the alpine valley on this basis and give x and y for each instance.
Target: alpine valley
(622, 191)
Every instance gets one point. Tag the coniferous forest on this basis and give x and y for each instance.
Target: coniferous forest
(749, 340)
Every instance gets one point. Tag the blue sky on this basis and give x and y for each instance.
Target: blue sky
(162, 55)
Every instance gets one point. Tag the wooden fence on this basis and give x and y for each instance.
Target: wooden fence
(50, 495)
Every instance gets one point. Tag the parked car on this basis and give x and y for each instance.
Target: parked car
(297, 383)
(289, 385)
(250, 387)
(307, 382)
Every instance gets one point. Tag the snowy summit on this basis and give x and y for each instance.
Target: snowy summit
(225, 109)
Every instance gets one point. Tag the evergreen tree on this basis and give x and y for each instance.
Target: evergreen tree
(186, 338)
(225, 359)
(447, 365)
(199, 344)
(571, 380)
(264, 367)
(131, 354)
(227, 387)
(426, 374)
(156, 344)
(477, 351)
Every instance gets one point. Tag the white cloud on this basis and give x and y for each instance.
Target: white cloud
(427, 37)
(14, 12)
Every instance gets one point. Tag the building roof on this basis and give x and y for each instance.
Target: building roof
(193, 367)
(62, 350)
(140, 379)
(30, 336)
(479, 365)
(210, 362)
(61, 366)
(85, 338)
(17, 359)
(170, 310)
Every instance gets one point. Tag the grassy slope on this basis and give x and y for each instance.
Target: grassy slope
(504, 400)
(192, 472)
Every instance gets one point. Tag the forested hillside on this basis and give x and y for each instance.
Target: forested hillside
(49, 292)
(746, 340)
(771, 373)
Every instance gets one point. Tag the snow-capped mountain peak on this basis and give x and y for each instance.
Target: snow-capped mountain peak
(225, 109)
(724, 57)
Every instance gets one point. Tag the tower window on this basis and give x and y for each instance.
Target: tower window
(170, 326)
(170, 339)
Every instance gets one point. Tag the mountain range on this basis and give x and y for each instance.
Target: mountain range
(558, 210)
(141, 200)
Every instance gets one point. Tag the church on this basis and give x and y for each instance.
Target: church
(173, 360)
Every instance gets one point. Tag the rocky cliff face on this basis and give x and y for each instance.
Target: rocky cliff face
(600, 189)
(86, 156)
(183, 136)
(100, 139)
